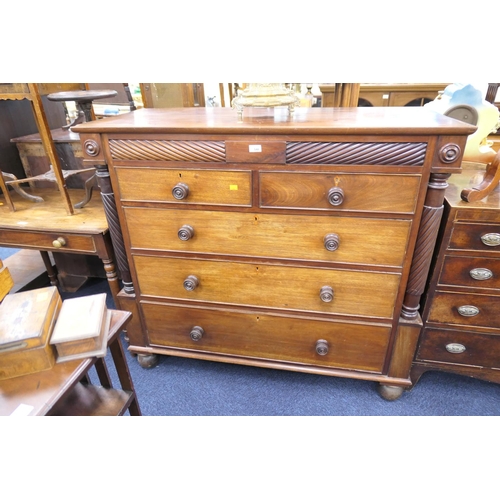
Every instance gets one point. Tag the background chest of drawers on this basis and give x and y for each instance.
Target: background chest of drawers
(276, 241)
(461, 323)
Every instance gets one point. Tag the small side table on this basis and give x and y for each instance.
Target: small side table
(65, 389)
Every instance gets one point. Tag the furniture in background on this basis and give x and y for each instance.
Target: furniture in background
(172, 95)
(48, 228)
(299, 244)
(66, 389)
(461, 331)
(384, 94)
(33, 92)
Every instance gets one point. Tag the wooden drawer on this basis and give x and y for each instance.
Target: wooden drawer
(464, 348)
(471, 272)
(350, 345)
(477, 310)
(255, 151)
(380, 242)
(44, 241)
(355, 192)
(355, 293)
(212, 187)
(469, 236)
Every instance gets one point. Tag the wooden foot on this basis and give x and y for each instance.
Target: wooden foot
(390, 392)
(147, 360)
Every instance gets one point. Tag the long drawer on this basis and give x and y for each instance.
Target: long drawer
(187, 186)
(344, 345)
(380, 242)
(465, 348)
(339, 191)
(466, 309)
(45, 241)
(331, 291)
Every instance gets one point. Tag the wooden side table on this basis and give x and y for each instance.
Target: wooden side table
(48, 228)
(65, 390)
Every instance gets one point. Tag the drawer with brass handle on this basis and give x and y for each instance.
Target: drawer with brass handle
(477, 272)
(478, 237)
(339, 191)
(329, 291)
(465, 348)
(378, 242)
(336, 344)
(466, 309)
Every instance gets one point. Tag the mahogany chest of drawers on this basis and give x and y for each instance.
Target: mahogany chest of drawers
(295, 242)
(461, 323)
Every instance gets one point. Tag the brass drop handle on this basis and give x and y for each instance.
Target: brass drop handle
(185, 232)
(190, 283)
(331, 242)
(455, 348)
(180, 191)
(59, 243)
(336, 196)
(196, 333)
(322, 347)
(326, 293)
(491, 239)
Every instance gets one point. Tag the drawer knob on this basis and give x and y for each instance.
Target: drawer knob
(59, 243)
(480, 274)
(322, 347)
(455, 348)
(326, 293)
(190, 283)
(491, 239)
(180, 191)
(185, 232)
(468, 311)
(331, 242)
(336, 196)
(196, 333)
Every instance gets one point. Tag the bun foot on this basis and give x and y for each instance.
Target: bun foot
(390, 392)
(147, 360)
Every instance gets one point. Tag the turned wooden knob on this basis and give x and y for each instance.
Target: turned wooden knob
(331, 242)
(336, 196)
(180, 191)
(196, 333)
(185, 232)
(190, 283)
(326, 293)
(322, 347)
(59, 243)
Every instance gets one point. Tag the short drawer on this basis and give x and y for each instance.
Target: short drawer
(265, 336)
(211, 187)
(463, 348)
(467, 309)
(329, 291)
(339, 191)
(380, 242)
(471, 272)
(255, 151)
(49, 241)
(470, 236)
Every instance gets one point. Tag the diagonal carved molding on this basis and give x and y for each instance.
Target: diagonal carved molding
(357, 153)
(192, 151)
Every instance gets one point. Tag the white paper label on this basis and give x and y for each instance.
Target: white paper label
(255, 148)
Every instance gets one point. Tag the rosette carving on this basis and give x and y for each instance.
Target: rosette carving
(91, 147)
(449, 153)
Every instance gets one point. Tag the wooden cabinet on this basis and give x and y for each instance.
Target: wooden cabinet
(293, 243)
(461, 325)
(388, 94)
